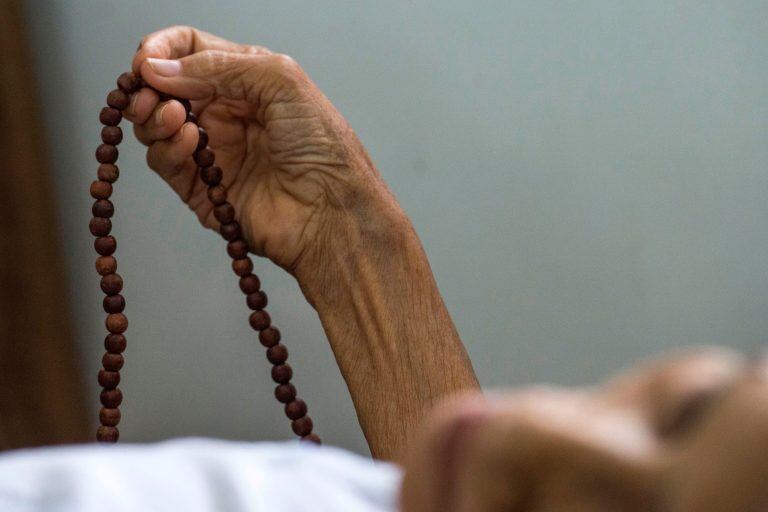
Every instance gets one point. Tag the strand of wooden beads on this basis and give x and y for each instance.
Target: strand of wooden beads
(237, 248)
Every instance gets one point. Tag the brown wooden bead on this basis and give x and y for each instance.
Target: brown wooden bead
(204, 157)
(115, 344)
(269, 337)
(103, 208)
(110, 116)
(108, 379)
(296, 409)
(259, 320)
(302, 426)
(111, 135)
(113, 304)
(202, 138)
(211, 175)
(285, 393)
(101, 189)
(311, 438)
(282, 373)
(111, 284)
(277, 354)
(109, 417)
(237, 249)
(230, 231)
(106, 265)
(118, 99)
(108, 173)
(100, 226)
(111, 398)
(249, 284)
(112, 362)
(107, 154)
(116, 323)
(105, 245)
(186, 104)
(224, 213)
(217, 195)
(128, 82)
(242, 267)
(106, 434)
(257, 301)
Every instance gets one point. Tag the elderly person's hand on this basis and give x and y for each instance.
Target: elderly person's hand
(296, 173)
(309, 198)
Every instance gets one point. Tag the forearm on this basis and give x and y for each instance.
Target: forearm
(390, 332)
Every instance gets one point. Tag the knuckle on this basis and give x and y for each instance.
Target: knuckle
(164, 158)
(214, 59)
(179, 28)
(159, 160)
(169, 32)
(140, 132)
(256, 50)
(286, 70)
(287, 64)
(157, 156)
(207, 56)
(152, 158)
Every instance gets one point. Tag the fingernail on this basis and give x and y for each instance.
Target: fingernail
(134, 99)
(165, 67)
(179, 134)
(159, 115)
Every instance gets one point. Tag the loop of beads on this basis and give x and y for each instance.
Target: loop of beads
(112, 284)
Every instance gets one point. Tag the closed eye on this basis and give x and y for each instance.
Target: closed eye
(689, 413)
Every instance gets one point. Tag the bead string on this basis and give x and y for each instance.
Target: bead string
(112, 284)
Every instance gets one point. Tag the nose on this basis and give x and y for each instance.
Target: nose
(551, 449)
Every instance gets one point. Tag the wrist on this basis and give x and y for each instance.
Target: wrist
(353, 245)
(389, 330)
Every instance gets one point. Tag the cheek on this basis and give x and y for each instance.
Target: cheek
(534, 461)
(489, 484)
(724, 467)
(504, 466)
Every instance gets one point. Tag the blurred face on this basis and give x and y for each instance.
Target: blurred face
(687, 433)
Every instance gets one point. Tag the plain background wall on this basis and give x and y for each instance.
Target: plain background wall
(589, 180)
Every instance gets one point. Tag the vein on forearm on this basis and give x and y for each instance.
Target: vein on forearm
(390, 332)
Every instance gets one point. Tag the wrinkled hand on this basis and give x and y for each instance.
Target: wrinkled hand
(294, 169)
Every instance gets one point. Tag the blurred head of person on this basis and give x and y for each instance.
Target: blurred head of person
(683, 433)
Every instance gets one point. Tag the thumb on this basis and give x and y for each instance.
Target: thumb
(212, 73)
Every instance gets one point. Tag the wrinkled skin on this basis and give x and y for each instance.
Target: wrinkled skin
(293, 167)
(687, 433)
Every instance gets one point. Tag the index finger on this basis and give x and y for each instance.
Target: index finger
(179, 41)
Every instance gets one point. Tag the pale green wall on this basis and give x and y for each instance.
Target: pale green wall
(589, 180)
